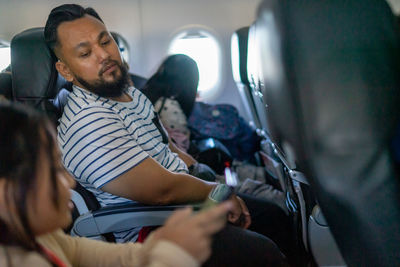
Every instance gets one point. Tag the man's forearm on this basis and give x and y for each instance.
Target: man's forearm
(150, 183)
(186, 189)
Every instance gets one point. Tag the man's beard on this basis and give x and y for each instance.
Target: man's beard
(107, 89)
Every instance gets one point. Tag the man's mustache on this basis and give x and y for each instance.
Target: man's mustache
(107, 65)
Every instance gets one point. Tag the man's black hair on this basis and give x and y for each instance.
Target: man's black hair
(63, 13)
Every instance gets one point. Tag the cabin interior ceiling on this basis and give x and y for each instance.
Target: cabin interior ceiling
(149, 25)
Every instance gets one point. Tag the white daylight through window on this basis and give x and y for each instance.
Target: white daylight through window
(204, 49)
(5, 56)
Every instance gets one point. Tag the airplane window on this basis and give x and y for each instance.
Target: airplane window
(122, 45)
(5, 56)
(204, 49)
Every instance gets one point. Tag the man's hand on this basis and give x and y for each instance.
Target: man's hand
(239, 215)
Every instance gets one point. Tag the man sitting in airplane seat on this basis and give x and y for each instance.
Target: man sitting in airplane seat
(110, 142)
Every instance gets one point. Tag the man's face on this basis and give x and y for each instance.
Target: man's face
(89, 57)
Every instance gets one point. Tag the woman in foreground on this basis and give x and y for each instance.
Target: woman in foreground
(35, 205)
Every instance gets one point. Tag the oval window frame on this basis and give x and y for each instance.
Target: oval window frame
(216, 90)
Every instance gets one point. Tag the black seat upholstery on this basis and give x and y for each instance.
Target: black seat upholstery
(138, 81)
(35, 81)
(6, 85)
(281, 168)
(333, 95)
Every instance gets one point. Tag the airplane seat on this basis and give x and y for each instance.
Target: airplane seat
(239, 42)
(279, 165)
(6, 85)
(36, 82)
(255, 81)
(331, 82)
(243, 54)
(272, 156)
(138, 81)
(240, 51)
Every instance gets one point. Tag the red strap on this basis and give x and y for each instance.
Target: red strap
(53, 257)
(144, 233)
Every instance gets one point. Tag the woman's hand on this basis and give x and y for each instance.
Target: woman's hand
(193, 232)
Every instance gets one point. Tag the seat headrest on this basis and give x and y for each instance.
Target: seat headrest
(331, 81)
(35, 80)
(5, 85)
(340, 67)
(239, 42)
(33, 71)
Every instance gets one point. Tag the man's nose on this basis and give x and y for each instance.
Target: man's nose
(102, 54)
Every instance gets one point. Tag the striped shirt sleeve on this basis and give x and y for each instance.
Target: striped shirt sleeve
(98, 148)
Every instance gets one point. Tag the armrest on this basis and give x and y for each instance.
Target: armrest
(122, 217)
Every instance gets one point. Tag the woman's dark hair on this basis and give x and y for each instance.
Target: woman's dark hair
(24, 133)
(177, 77)
(63, 13)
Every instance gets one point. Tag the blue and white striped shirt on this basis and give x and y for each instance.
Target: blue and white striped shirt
(100, 139)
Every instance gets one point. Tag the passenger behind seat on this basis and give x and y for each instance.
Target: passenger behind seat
(173, 89)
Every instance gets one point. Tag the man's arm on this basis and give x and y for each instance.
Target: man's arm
(150, 183)
(137, 176)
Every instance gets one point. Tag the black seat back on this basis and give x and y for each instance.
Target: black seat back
(35, 80)
(239, 44)
(255, 79)
(6, 85)
(333, 95)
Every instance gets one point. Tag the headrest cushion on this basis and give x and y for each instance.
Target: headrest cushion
(33, 70)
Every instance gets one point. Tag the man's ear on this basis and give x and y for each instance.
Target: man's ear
(63, 69)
